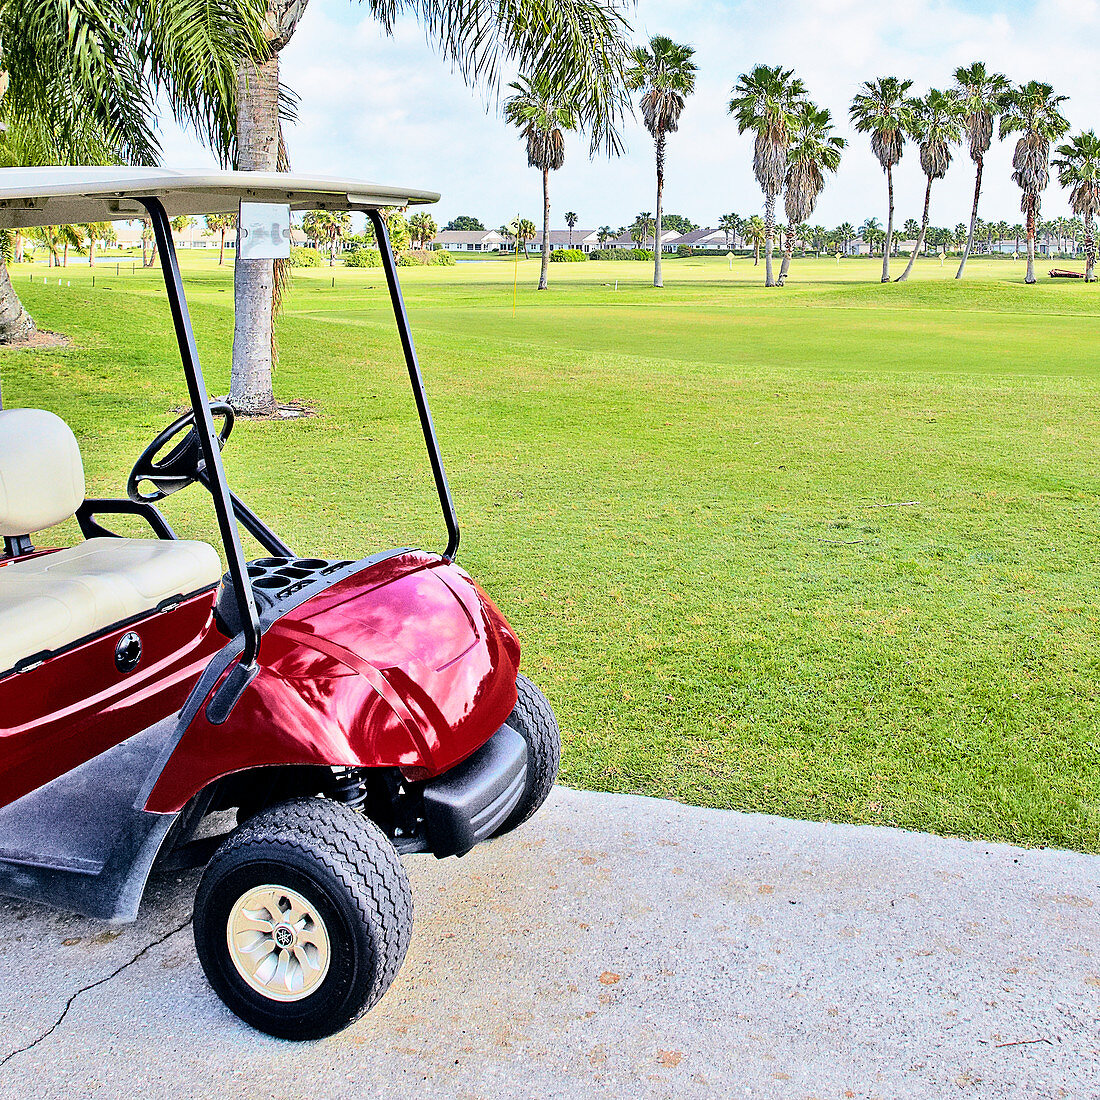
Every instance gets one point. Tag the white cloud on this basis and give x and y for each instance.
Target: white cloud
(389, 109)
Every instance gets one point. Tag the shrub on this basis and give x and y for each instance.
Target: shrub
(685, 250)
(305, 257)
(620, 254)
(441, 258)
(363, 257)
(567, 255)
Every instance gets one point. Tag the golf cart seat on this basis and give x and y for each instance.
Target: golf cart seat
(50, 601)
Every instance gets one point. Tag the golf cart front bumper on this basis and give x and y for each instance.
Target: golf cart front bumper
(469, 803)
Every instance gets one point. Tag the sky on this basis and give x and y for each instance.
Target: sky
(388, 109)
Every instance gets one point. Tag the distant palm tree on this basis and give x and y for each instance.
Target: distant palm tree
(423, 228)
(871, 232)
(571, 221)
(756, 235)
(936, 124)
(665, 74)
(1032, 111)
(766, 101)
(730, 224)
(525, 231)
(911, 229)
(814, 150)
(221, 224)
(1078, 164)
(98, 231)
(542, 110)
(605, 233)
(846, 233)
(981, 97)
(882, 109)
(639, 231)
(58, 239)
(329, 226)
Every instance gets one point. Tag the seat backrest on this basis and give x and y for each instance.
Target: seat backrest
(41, 475)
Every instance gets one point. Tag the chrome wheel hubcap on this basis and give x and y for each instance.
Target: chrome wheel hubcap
(278, 942)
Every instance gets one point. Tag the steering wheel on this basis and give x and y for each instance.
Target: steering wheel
(182, 464)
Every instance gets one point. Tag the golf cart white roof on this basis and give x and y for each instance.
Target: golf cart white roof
(73, 196)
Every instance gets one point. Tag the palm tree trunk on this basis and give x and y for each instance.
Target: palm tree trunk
(545, 269)
(657, 280)
(250, 387)
(889, 226)
(221, 249)
(788, 250)
(769, 237)
(1030, 276)
(16, 325)
(91, 251)
(1090, 252)
(920, 240)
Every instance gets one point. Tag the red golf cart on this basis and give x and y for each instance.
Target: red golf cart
(350, 712)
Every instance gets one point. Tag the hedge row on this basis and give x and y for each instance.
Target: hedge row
(621, 254)
(568, 255)
(371, 257)
(305, 257)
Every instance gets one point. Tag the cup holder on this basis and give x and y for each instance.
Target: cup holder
(311, 563)
(293, 573)
(270, 582)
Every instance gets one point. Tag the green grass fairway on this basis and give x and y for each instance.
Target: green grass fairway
(828, 551)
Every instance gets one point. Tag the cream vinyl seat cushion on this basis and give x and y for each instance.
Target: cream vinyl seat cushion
(53, 600)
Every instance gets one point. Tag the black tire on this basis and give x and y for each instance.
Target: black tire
(533, 718)
(357, 892)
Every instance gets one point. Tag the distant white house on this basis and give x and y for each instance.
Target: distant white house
(707, 240)
(461, 240)
(584, 239)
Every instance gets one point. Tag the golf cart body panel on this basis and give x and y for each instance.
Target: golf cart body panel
(386, 684)
(406, 664)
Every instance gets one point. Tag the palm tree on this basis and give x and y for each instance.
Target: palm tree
(98, 231)
(766, 101)
(1033, 112)
(571, 221)
(541, 111)
(936, 124)
(814, 150)
(882, 109)
(911, 229)
(605, 233)
(639, 230)
(981, 96)
(756, 235)
(577, 46)
(221, 224)
(525, 231)
(665, 74)
(871, 231)
(846, 234)
(83, 83)
(1078, 164)
(423, 228)
(730, 224)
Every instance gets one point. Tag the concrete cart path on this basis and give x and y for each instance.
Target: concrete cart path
(620, 947)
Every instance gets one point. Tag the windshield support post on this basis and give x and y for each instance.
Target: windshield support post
(204, 428)
(411, 361)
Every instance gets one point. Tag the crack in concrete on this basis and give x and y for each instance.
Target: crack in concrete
(87, 988)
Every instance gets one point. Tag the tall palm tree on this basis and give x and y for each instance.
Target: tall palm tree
(525, 231)
(571, 221)
(981, 96)
(766, 101)
(1078, 164)
(882, 109)
(542, 111)
(84, 81)
(846, 234)
(936, 125)
(1034, 112)
(871, 232)
(665, 74)
(577, 45)
(639, 230)
(423, 228)
(605, 233)
(814, 150)
(98, 231)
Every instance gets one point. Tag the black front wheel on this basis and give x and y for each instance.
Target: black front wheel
(303, 918)
(533, 718)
